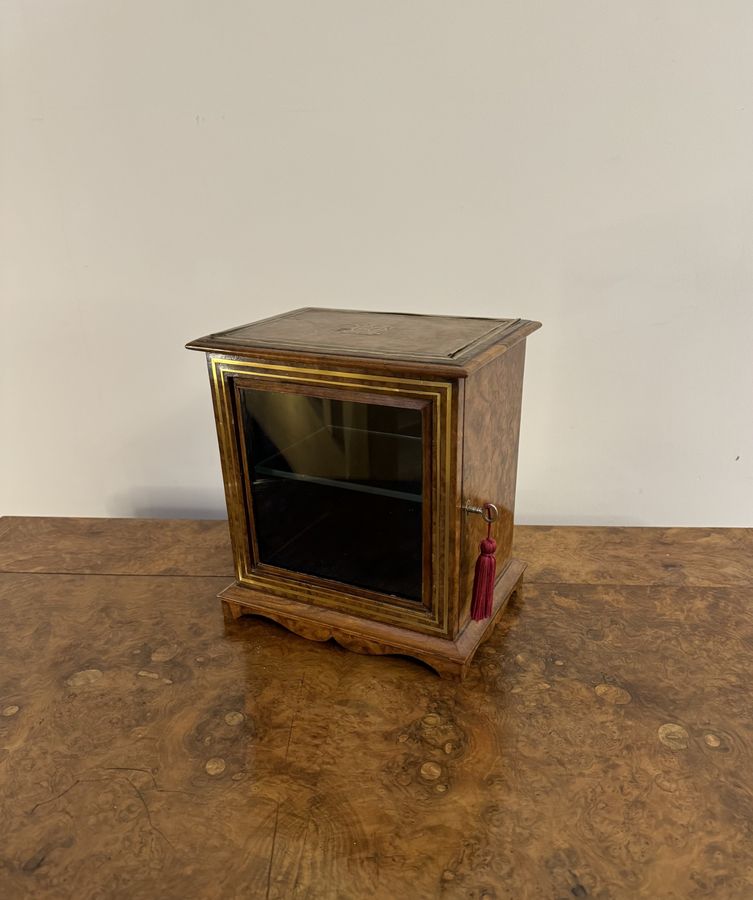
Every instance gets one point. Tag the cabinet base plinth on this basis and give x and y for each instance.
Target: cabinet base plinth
(450, 658)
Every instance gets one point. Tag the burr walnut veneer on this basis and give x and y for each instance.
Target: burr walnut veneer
(150, 747)
(356, 448)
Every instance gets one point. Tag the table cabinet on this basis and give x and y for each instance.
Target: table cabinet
(362, 453)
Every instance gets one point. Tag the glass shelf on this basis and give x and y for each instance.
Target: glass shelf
(361, 474)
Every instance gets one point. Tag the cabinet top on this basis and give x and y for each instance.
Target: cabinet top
(435, 341)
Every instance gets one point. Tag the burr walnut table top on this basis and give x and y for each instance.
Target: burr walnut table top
(601, 746)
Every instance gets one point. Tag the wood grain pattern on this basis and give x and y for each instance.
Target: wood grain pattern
(134, 546)
(373, 340)
(600, 555)
(490, 460)
(600, 747)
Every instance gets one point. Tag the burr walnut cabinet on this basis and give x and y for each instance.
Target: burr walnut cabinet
(364, 455)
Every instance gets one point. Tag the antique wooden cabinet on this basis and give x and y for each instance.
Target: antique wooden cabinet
(363, 454)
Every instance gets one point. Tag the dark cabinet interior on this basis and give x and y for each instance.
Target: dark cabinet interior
(336, 488)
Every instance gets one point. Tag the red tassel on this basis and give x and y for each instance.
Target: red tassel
(483, 581)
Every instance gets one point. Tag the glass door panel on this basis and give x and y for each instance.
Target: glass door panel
(337, 488)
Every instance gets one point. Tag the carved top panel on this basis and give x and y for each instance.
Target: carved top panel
(449, 340)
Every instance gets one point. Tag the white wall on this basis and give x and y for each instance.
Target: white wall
(172, 168)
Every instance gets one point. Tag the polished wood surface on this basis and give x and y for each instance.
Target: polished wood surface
(490, 460)
(381, 340)
(115, 546)
(600, 747)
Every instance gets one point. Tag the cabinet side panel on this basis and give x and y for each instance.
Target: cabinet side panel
(490, 460)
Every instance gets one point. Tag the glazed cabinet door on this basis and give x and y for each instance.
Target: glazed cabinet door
(339, 488)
